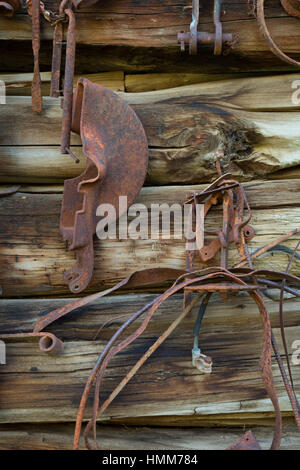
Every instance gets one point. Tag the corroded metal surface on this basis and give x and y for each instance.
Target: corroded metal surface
(116, 149)
(10, 7)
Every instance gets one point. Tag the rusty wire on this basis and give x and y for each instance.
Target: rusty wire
(203, 282)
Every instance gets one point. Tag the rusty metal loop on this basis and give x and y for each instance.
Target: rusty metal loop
(269, 39)
(9, 7)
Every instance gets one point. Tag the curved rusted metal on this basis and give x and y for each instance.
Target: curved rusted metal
(116, 149)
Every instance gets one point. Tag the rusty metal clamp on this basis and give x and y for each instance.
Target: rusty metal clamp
(10, 7)
(116, 149)
(195, 37)
(292, 7)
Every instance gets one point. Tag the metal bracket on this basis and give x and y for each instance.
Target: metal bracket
(195, 37)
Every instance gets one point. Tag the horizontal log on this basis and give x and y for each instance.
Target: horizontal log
(41, 388)
(35, 257)
(60, 437)
(253, 120)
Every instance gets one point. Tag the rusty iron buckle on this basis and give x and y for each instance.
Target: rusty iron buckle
(116, 149)
(10, 7)
(195, 37)
(292, 7)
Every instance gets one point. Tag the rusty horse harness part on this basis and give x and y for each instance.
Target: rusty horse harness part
(292, 7)
(113, 140)
(200, 285)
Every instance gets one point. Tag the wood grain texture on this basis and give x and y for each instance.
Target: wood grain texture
(60, 437)
(253, 120)
(34, 256)
(40, 388)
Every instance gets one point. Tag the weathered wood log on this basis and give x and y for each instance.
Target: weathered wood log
(40, 388)
(137, 83)
(34, 256)
(60, 437)
(253, 120)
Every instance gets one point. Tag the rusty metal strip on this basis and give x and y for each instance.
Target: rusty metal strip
(68, 82)
(195, 37)
(247, 442)
(116, 149)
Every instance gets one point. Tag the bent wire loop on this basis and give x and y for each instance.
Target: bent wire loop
(202, 282)
(116, 150)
